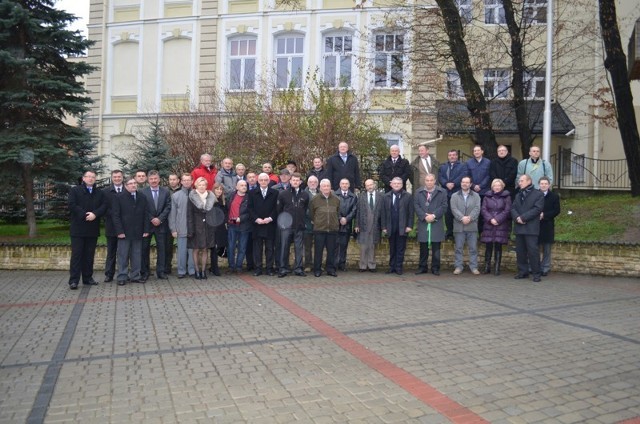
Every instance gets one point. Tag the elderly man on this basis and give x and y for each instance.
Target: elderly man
(343, 164)
(368, 225)
(396, 221)
(227, 176)
(324, 214)
(348, 208)
(394, 166)
(535, 167)
(205, 170)
(465, 207)
(312, 190)
(525, 212)
(267, 168)
(422, 165)
(430, 203)
(263, 203)
(241, 171)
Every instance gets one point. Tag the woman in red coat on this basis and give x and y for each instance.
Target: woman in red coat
(496, 210)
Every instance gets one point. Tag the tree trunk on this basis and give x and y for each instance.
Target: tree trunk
(476, 102)
(28, 199)
(616, 64)
(517, 84)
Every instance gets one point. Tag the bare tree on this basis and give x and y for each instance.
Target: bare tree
(616, 64)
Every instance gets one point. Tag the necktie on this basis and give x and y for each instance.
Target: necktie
(155, 198)
(428, 197)
(394, 161)
(264, 194)
(344, 159)
(371, 200)
(90, 189)
(118, 190)
(134, 197)
(394, 200)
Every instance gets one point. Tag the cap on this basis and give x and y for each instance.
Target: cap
(285, 172)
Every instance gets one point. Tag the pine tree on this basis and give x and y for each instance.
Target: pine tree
(150, 152)
(39, 87)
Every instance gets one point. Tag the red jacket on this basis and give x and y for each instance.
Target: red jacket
(208, 174)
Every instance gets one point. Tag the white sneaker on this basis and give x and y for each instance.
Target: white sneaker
(457, 271)
(475, 271)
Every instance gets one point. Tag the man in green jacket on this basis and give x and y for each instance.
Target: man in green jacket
(324, 211)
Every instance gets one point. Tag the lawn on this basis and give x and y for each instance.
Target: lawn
(596, 217)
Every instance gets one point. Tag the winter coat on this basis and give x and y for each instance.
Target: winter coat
(535, 170)
(131, 217)
(506, 169)
(324, 213)
(418, 171)
(348, 209)
(437, 206)
(455, 175)
(389, 170)
(295, 205)
(81, 202)
(479, 173)
(228, 179)
(208, 174)
(337, 170)
(245, 224)
(201, 232)
(550, 211)
(263, 208)
(498, 206)
(110, 193)
(527, 205)
(367, 220)
(405, 212)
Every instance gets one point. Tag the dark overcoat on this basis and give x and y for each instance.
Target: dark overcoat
(437, 206)
(81, 202)
(130, 216)
(550, 211)
(260, 207)
(527, 204)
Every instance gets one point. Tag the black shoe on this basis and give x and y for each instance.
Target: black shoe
(181, 276)
(536, 279)
(282, 274)
(333, 274)
(271, 273)
(216, 272)
(108, 279)
(197, 276)
(121, 282)
(421, 271)
(257, 273)
(162, 277)
(317, 273)
(544, 274)
(138, 281)
(435, 271)
(301, 273)
(521, 276)
(203, 275)
(91, 282)
(399, 272)
(73, 286)
(373, 270)
(391, 271)
(362, 270)
(342, 268)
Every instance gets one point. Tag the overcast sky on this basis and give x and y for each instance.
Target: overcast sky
(79, 8)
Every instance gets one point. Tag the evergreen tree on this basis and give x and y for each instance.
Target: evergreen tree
(39, 87)
(151, 152)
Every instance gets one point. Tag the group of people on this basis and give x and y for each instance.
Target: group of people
(234, 212)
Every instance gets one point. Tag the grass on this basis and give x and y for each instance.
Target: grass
(594, 217)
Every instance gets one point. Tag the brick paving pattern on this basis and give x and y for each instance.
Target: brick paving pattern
(360, 348)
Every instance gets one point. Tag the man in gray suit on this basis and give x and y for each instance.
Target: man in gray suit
(465, 207)
(368, 225)
(158, 209)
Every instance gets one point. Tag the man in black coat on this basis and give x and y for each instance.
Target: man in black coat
(394, 166)
(263, 203)
(158, 209)
(293, 201)
(87, 205)
(115, 189)
(131, 223)
(505, 167)
(525, 212)
(343, 165)
(546, 237)
(396, 221)
(347, 213)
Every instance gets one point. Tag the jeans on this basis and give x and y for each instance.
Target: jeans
(471, 238)
(237, 247)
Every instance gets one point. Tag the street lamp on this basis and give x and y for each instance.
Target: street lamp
(26, 158)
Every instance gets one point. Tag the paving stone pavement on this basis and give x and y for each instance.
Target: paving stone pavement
(360, 348)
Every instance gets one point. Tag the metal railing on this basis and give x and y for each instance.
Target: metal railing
(578, 171)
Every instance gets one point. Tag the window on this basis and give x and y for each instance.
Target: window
(493, 12)
(465, 9)
(454, 86)
(337, 57)
(289, 59)
(496, 83)
(534, 84)
(535, 11)
(242, 64)
(389, 60)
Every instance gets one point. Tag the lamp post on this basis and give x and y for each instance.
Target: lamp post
(546, 128)
(26, 160)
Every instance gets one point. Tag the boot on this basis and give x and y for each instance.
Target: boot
(498, 260)
(487, 257)
(214, 270)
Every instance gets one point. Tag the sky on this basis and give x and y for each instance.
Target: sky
(79, 8)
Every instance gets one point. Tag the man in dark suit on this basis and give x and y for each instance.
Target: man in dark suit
(342, 165)
(525, 212)
(115, 189)
(348, 210)
(131, 223)
(394, 166)
(450, 175)
(396, 221)
(86, 205)
(263, 203)
(158, 209)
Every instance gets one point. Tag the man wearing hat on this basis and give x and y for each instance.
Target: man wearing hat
(285, 177)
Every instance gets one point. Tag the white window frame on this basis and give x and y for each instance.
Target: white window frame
(534, 12)
(494, 12)
(496, 83)
(243, 43)
(338, 46)
(289, 47)
(465, 8)
(533, 80)
(453, 89)
(393, 138)
(393, 44)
